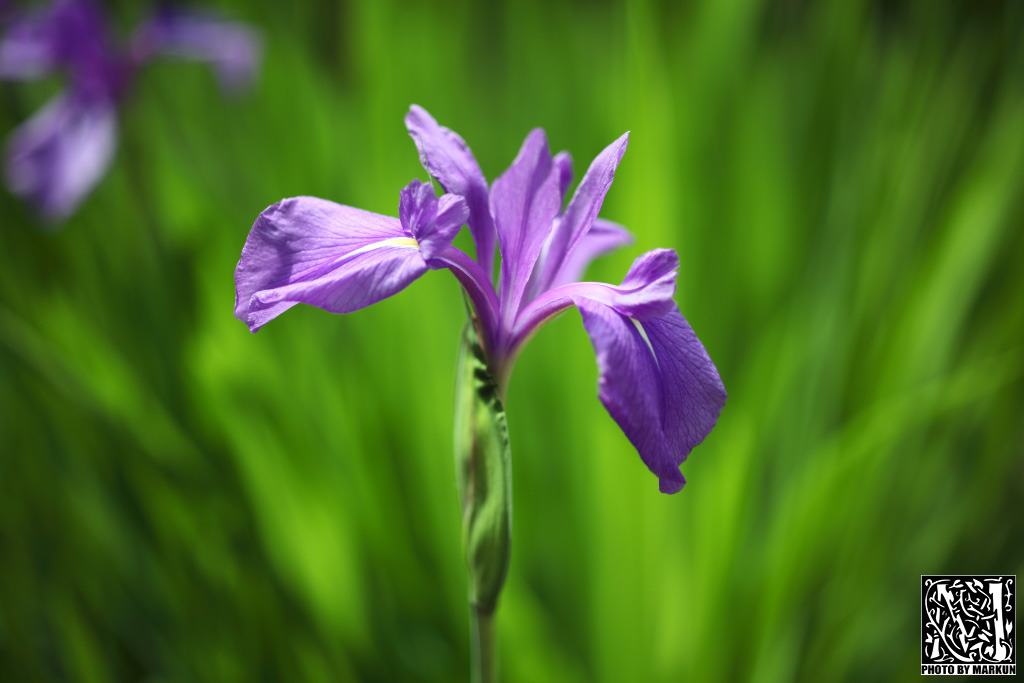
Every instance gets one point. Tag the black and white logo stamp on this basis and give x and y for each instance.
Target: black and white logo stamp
(968, 625)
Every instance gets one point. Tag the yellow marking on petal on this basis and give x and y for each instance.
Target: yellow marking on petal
(647, 340)
(400, 242)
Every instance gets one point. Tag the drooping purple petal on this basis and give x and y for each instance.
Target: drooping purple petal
(657, 382)
(648, 288)
(448, 159)
(602, 238)
(524, 202)
(309, 250)
(645, 292)
(433, 222)
(629, 387)
(231, 48)
(582, 210)
(694, 393)
(59, 155)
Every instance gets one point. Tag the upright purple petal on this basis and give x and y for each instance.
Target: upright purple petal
(602, 238)
(582, 210)
(433, 222)
(448, 159)
(563, 161)
(417, 206)
(657, 382)
(524, 202)
(59, 155)
(71, 35)
(312, 251)
(452, 214)
(27, 49)
(66, 34)
(231, 48)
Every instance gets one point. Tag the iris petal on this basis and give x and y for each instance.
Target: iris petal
(312, 251)
(27, 49)
(657, 382)
(645, 292)
(448, 159)
(67, 33)
(649, 286)
(656, 379)
(59, 155)
(582, 210)
(231, 48)
(563, 161)
(433, 222)
(524, 202)
(602, 238)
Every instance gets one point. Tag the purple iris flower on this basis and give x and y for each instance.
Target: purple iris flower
(656, 378)
(59, 155)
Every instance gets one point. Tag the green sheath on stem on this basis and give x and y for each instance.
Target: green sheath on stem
(483, 463)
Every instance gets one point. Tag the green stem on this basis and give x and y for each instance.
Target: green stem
(484, 467)
(484, 661)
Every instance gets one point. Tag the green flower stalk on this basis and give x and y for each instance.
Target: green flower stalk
(484, 467)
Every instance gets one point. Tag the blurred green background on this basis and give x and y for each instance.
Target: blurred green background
(844, 182)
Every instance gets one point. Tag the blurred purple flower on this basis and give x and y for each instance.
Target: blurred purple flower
(59, 155)
(656, 379)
